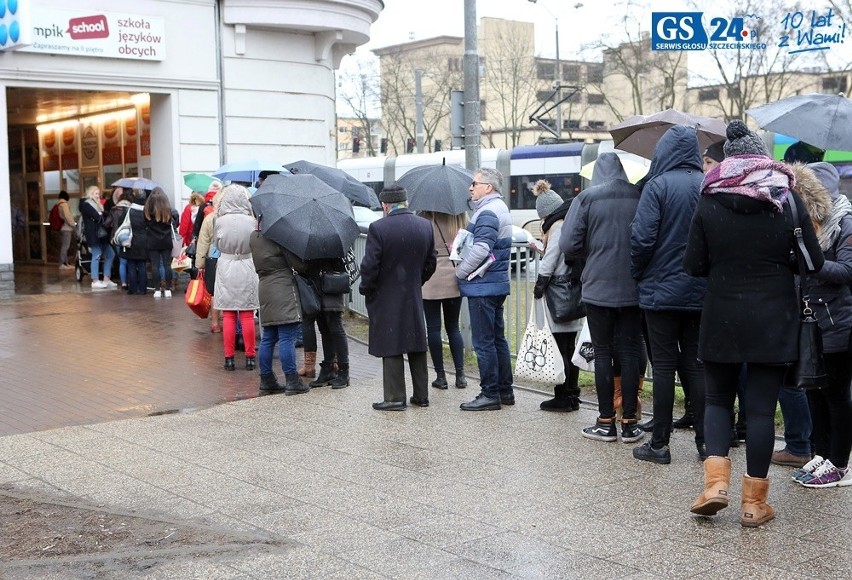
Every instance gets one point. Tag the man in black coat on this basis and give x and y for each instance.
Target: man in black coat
(399, 257)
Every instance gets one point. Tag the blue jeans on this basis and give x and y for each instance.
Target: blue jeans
(285, 336)
(489, 343)
(122, 270)
(98, 249)
(797, 421)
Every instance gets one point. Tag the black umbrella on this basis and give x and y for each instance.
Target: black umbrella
(354, 190)
(306, 216)
(439, 188)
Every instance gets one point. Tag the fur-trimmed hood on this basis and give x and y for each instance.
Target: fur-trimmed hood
(813, 193)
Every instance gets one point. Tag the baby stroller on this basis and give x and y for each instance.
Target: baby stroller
(83, 265)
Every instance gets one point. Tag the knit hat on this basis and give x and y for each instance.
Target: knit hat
(394, 193)
(741, 141)
(547, 200)
(715, 152)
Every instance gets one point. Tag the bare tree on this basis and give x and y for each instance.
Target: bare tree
(397, 95)
(360, 94)
(509, 75)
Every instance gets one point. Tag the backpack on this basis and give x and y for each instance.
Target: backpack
(56, 221)
(123, 235)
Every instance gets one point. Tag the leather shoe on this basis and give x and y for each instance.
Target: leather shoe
(481, 403)
(646, 452)
(784, 457)
(419, 402)
(685, 422)
(647, 426)
(507, 400)
(389, 406)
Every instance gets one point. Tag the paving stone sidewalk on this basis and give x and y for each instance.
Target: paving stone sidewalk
(350, 492)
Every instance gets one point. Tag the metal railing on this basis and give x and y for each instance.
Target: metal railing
(524, 271)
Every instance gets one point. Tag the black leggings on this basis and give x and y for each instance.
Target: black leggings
(566, 342)
(451, 308)
(761, 399)
(831, 411)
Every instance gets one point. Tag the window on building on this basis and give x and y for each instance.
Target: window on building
(594, 73)
(571, 73)
(546, 71)
(708, 94)
(543, 96)
(454, 64)
(595, 99)
(482, 113)
(343, 129)
(571, 124)
(834, 85)
(482, 67)
(343, 146)
(577, 97)
(734, 93)
(597, 125)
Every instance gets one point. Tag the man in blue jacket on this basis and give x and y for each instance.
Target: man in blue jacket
(670, 298)
(491, 226)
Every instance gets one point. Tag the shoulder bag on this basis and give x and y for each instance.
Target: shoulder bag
(809, 371)
(309, 298)
(564, 297)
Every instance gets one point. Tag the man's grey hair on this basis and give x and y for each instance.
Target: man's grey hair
(492, 177)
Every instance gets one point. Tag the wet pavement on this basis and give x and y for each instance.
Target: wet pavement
(351, 492)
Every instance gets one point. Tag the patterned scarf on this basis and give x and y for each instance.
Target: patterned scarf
(754, 176)
(830, 228)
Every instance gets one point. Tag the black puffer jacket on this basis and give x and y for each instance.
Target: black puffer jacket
(661, 226)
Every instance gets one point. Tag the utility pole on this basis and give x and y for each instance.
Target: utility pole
(471, 89)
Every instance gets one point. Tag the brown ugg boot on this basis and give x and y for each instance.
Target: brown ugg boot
(756, 511)
(309, 369)
(717, 480)
(617, 399)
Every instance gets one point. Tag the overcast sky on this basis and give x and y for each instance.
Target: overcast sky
(404, 20)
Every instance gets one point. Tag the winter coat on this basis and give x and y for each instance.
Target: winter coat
(661, 225)
(399, 257)
(92, 215)
(138, 249)
(117, 213)
(277, 293)
(597, 228)
(205, 240)
(491, 226)
(160, 235)
(314, 270)
(187, 222)
(743, 247)
(442, 285)
(553, 264)
(68, 223)
(829, 289)
(236, 279)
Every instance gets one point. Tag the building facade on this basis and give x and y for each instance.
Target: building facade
(158, 89)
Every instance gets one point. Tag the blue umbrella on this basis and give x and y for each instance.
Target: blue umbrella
(247, 171)
(137, 183)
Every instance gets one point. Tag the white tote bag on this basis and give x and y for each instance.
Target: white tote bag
(539, 360)
(584, 352)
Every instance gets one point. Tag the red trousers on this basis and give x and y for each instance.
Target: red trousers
(229, 331)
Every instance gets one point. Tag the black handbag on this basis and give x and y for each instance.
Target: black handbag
(334, 282)
(563, 295)
(309, 298)
(809, 372)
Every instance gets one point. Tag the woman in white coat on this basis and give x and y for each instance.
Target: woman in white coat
(236, 280)
(552, 210)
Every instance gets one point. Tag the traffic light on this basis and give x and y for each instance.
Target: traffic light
(438, 144)
(383, 146)
(409, 145)
(356, 144)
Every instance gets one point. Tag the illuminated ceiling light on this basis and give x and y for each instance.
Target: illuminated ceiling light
(140, 99)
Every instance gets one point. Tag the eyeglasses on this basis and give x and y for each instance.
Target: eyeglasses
(475, 183)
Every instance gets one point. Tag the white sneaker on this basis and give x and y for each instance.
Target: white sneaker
(168, 293)
(158, 294)
(110, 284)
(98, 285)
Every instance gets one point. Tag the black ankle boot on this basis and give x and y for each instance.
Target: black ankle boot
(294, 385)
(341, 381)
(250, 362)
(269, 383)
(559, 403)
(229, 363)
(461, 382)
(326, 375)
(440, 381)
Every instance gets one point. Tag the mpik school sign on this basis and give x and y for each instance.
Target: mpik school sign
(87, 33)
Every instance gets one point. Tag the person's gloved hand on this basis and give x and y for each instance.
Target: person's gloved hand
(540, 286)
